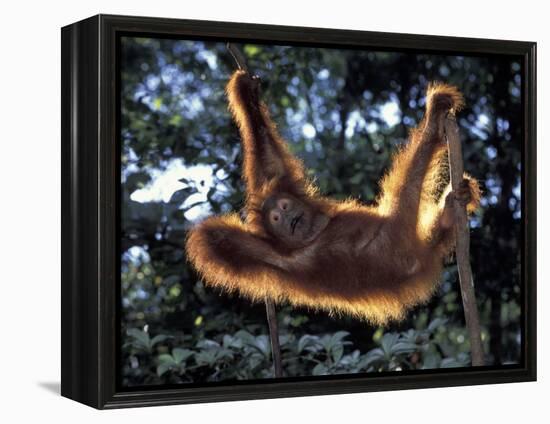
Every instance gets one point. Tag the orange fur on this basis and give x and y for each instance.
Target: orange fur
(371, 262)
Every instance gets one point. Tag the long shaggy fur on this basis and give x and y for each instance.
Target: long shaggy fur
(371, 262)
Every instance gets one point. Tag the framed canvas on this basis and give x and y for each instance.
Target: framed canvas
(254, 211)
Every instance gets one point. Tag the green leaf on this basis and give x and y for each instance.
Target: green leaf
(326, 342)
(371, 356)
(181, 355)
(159, 339)
(320, 369)
(140, 336)
(246, 337)
(307, 341)
(206, 357)
(338, 336)
(162, 368)
(374, 354)
(403, 347)
(175, 120)
(285, 101)
(208, 344)
(157, 103)
(251, 50)
(388, 340)
(263, 345)
(165, 358)
(431, 360)
(337, 353)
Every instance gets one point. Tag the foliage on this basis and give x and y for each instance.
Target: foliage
(344, 112)
(243, 355)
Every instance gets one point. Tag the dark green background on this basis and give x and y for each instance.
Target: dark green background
(343, 112)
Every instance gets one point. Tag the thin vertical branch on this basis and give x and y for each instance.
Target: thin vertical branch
(274, 337)
(463, 244)
(269, 305)
(238, 56)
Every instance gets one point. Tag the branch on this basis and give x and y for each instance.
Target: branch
(463, 244)
(274, 337)
(238, 56)
(269, 305)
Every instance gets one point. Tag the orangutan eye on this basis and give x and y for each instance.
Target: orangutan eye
(275, 216)
(284, 204)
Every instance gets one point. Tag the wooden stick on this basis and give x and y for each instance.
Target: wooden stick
(274, 337)
(463, 243)
(238, 56)
(269, 305)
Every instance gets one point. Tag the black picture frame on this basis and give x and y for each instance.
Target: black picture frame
(90, 211)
